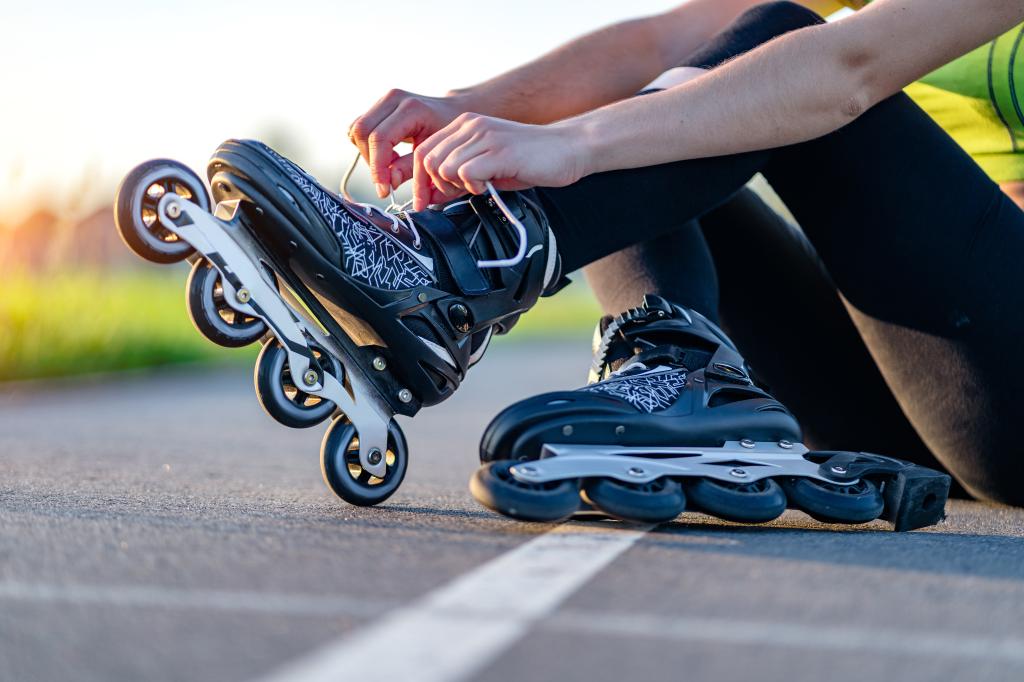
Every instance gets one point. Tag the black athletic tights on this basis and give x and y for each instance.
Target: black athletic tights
(894, 325)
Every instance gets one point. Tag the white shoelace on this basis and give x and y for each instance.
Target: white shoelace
(395, 210)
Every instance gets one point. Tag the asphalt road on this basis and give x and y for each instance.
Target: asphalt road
(161, 527)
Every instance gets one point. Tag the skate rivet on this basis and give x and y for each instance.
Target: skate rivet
(379, 363)
(838, 470)
(422, 297)
(619, 430)
(243, 295)
(738, 473)
(405, 395)
(374, 457)
(785, 444)
(310, 378)
(460, 317)
(526, 470)
(173, 210)
(635, 471)
(747, 443)
(567, 430)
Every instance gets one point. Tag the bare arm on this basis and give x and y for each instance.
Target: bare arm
(604, 66)
(598, 68)
(800, 86)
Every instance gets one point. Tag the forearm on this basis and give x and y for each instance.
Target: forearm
(601, 67)
(795, 88)
(754, 102)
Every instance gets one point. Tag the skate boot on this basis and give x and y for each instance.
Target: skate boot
(365, 314)
(673, 420)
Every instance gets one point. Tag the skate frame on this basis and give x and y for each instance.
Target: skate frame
(243, 265)
(736, 462)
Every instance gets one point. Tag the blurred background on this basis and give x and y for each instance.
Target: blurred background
(91, 89)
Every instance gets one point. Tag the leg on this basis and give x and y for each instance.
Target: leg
(917, 239)
(621, 279)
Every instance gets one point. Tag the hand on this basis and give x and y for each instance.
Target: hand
(475, 149)
(399, 116)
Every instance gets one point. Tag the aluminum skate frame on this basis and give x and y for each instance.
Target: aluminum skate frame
(244, 265)
(737, 462)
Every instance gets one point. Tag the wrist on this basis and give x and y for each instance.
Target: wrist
(580, 133)
(470, 100)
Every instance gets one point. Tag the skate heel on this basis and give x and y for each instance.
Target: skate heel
(916, 498)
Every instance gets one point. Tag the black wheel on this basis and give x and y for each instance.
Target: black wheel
(212, 315)
(339, 462)
(656, 502)
(494, 486)
(279, 393)
(859, 502)
(754, 502)
(135, 208)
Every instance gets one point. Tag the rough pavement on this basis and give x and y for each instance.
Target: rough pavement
(161, 527)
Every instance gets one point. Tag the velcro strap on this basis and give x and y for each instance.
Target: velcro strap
(453, 250)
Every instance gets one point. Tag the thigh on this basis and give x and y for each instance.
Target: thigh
(926, 250)
(782, 309)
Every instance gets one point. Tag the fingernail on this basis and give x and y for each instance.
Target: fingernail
(382, 190)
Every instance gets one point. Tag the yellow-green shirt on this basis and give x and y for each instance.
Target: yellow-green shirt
(979, 100)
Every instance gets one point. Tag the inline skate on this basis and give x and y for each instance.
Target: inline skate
(671, 419)
(365, 313)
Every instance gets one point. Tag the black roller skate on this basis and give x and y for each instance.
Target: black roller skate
(672, 420)
(367, 314)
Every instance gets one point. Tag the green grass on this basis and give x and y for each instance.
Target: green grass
(85, 322)
(88, 322)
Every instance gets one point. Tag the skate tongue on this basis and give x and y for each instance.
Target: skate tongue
(689, 359)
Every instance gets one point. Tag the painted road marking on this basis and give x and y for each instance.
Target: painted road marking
(775, 633)
(454, 631)
(174, 598)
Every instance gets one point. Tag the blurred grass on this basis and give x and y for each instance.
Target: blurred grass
(77, 322)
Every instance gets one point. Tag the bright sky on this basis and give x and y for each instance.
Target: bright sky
(89, 89)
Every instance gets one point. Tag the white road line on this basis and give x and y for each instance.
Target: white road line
(454, 631)
(774, 633)
(179, 598)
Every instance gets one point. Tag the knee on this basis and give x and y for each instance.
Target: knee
(780, 17)
(756, 26)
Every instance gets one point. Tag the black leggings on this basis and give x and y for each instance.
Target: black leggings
(893, 326)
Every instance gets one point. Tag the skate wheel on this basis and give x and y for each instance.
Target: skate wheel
(494, 486)
(279, 393)
(859, 502)
(339, 463)
(135, 208)
(213, 316)
(656, 502)
(755, 502)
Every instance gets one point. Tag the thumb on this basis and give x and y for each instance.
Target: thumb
(401, 170)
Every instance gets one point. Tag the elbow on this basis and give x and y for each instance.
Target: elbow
(859, 76)
(862, 71)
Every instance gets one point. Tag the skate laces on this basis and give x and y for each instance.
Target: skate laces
(394, 212)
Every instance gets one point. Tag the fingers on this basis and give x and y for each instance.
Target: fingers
(359, 131)
(422, 181)
(405, 122)
(444, 153)
(401, 170)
